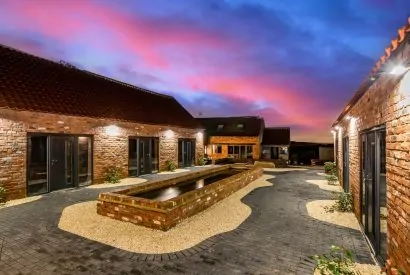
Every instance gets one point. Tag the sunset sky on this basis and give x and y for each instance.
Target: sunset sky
(296, 63)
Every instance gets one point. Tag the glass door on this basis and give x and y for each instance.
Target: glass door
(346, 164)
(85, 161)
(373, 193)
(61, 162)
(37, 165)
(143, 155)
(186, 152)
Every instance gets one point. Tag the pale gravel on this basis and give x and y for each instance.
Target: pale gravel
(20, 201)
(226, 215)
(362, 269)
(316, 210)
(176, 171)
(322, 184)
(123, 182)
(284, 169)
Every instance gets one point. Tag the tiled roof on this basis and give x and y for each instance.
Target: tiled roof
(251, 126)
(276, 136)
(32, 83)
(309, 144)
(395, 46)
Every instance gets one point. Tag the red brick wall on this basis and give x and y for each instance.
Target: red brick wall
(386, 102)
(164, 215)
(108, 150)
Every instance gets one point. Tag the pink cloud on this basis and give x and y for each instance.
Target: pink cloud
(261, 88)
(140, 38)
(71, 20)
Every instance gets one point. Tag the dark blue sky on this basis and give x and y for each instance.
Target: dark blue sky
(296, 63)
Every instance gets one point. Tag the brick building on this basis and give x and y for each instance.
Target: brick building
(62, 127)
(275, 143)
(233, 137)
(372, 145)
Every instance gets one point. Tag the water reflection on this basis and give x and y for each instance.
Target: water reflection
(199, 184)
(184, 187)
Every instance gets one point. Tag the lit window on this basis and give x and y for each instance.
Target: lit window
(220, 127)
(239, 126)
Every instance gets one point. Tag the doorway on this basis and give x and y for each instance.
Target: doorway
(373, 190)
(186, 152)
(143, 155)
(346, 171)
(57, 162)
(274, 153)
(61, 162)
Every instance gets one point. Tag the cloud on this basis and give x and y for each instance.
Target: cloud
(294, 63)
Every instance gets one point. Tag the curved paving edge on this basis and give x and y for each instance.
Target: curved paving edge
(203, 245)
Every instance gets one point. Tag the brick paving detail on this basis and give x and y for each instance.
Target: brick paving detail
(277, 238)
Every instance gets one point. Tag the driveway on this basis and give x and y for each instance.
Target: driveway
(277, 238)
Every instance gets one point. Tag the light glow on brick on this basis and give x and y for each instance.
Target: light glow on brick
(169, 134)
(112, 130)
(399, 70)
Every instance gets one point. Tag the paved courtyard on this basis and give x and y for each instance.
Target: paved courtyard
(277, 238)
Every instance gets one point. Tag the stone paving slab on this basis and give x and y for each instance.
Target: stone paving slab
(277, 238)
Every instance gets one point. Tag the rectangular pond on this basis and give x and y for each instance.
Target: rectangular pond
(178, 189)
(162, 204)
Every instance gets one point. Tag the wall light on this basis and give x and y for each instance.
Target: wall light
(112, 130)
(399, 70)
(337, 127)
(169, 134)
(200, 135)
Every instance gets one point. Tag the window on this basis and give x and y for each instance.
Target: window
(239, 151)
(220, 127)
(239, 126)
(283, 150)
(218, 149)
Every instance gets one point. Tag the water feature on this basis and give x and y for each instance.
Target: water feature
(186, 186)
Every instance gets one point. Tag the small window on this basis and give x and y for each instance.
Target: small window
(239, 126)
(218, 149)
(220, 127)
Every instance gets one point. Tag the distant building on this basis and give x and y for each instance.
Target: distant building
(309, 152)
(275, 143)
(237, 138)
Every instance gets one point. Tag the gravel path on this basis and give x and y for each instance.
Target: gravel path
(227, 215)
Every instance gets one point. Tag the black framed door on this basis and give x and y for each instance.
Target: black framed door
(373, 190)
(56, 162)
(346, 171)
(143, 156)
(61, 162)
(186, 152)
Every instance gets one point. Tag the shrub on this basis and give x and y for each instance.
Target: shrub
(338, 261)
(2, 194)
(344, 203)
(171, 166)
(330, 168)
(113, 174)
(331, 179)
(201, 161)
